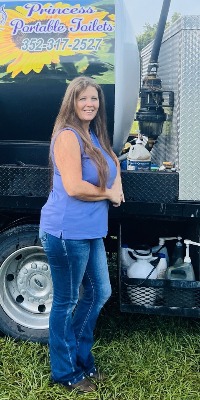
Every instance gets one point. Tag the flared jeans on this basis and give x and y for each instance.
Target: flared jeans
(81, 286)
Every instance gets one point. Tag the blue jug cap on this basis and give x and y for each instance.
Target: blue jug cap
(162, 255)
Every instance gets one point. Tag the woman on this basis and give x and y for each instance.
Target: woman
(73, 223)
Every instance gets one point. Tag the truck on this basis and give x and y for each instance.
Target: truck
(43, 46)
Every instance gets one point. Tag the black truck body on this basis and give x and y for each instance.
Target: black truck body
(30, 99)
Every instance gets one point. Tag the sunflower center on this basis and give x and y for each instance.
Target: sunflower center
(41, 38)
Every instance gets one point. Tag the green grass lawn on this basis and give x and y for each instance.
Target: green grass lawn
(144, 358)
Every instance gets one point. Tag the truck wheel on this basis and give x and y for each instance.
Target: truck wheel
(25, 285)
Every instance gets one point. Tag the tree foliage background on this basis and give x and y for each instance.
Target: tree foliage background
(150, 30)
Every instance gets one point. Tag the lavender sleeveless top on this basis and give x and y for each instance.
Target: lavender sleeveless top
(67, 217)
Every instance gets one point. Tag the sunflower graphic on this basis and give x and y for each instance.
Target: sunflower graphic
(22, 51)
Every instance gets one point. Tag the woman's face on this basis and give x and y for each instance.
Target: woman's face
(87, 104)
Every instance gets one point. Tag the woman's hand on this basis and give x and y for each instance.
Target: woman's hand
(116, 192)
(118, 183)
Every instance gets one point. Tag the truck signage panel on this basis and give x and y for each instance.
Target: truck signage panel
(64, 38)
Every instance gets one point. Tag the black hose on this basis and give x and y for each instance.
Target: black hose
(159, 33)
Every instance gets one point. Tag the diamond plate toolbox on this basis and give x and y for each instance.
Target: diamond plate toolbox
(180, 72)
(151, 187)
(24, 181)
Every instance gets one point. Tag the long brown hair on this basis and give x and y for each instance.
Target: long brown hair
(67, 118)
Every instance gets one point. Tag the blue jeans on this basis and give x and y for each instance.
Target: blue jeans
(73, 316)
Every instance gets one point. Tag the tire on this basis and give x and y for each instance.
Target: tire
(25, 285)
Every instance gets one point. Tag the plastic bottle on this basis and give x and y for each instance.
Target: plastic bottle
(139, 158)
(177, 256)
(161, 249)
(161, 274)
(161, 267)
(126, 259)
(182, 272)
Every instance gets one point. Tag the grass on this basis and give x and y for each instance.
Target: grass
(144, 358)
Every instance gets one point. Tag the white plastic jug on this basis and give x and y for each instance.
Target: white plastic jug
(125, 258)
(161, 267)
(143, 269)
(139, 158)
(182, 272)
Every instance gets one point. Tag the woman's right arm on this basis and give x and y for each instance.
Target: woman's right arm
(67, 156)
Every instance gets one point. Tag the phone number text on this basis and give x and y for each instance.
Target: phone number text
(60, 44)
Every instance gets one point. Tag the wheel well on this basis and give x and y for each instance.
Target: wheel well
(14, 221)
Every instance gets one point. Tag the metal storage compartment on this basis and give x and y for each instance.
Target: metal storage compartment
(180, 298)
(180, 72)
(159, 296)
